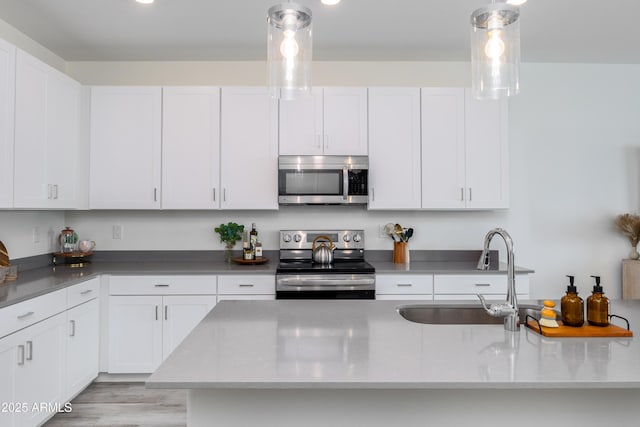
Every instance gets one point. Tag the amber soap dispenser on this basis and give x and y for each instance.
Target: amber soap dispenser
(572, 306)
(597, 306)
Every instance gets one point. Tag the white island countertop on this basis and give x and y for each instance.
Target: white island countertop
(368, 345)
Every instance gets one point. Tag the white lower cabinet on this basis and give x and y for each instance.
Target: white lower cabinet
(83, 337)
(32, 372)
(404, 286)
(248, 287)
(467, 286)
(145, 329)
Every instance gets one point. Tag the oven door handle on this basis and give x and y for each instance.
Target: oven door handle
(315, 281)
(345, 184)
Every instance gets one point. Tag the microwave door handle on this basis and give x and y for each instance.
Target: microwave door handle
(345, 184)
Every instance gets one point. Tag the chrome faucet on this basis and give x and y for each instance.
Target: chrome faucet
(509, 309)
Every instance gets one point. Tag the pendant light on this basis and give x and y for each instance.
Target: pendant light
(495, 51)
(289, 50)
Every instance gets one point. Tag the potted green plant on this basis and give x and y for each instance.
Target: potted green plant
(229, 234)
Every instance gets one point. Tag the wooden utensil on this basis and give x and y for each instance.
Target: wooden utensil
(4, 256)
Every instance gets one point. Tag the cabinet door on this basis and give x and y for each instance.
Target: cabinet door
(83, 336)
(394, 148)
(32, 188)
(135, 333)
(180, 315)
(11, 358)
(345, 121)
(125, 147)
(249, 147)
(190, 148)
(487, 157)
(41, 379)
(63, 129)
(7, 104)
(301, 130)
(443, 148)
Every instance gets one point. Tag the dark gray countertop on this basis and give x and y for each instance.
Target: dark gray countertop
(39, 281)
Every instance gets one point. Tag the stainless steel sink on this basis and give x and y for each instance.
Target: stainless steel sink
(459, 314)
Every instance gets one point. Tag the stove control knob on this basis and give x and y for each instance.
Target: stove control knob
(286, 238)
(297, 238)
(357, 238)
(346, 237)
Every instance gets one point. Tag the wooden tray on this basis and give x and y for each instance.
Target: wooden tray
(73, 254)
(583, 331)
(4, 256)
(240, 260)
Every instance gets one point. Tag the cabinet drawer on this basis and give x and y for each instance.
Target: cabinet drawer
(485, 284)
(162, 285)
(404, 284)
(23, 314)
(247, 285)
(82, 292)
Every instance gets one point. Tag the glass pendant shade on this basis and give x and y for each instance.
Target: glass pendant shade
(495, 51)
(289, 50)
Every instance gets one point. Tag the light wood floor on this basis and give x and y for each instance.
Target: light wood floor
(124, 404)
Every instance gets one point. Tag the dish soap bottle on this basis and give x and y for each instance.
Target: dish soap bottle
(572, 306)
(598, 306)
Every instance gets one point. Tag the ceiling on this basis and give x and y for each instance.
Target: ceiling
(589, 31)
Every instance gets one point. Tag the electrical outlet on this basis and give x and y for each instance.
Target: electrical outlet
(117, 232)
(36, 234)
(382, 232)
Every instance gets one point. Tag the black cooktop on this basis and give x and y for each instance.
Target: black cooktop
(339, 266)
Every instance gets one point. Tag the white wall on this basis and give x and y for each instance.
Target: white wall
(17, 231)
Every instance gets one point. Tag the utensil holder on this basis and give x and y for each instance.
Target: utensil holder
(401, 253)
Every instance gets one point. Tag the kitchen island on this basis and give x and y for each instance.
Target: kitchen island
(319, 363)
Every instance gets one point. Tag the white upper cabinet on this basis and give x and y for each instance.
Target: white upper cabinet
(443, 153)
(47, 134)
(191, 148)
(333, 121)
(125, 147)
(464, 151)
(487, 155)
(394, 148)
(249, 148)
(7, 103)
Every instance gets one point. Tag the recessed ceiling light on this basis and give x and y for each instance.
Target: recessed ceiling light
(145, 1)
(332, 2)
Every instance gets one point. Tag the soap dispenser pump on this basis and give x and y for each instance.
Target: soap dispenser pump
(572, 306)
(598, 306)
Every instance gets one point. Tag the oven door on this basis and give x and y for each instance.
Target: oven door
(325, 286)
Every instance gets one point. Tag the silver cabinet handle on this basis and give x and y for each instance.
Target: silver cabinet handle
(246, 285)
(461, 194)
(224, 194)
(72, 328)
(483, 284)
(161, 285)
(404, 285)
(166, 312)
(214, 194)
(373, 194)
(29, 350)
(155, 194)
(470, 194)
(156, 312)
(20, 355)
(88, 291)
(24, 316)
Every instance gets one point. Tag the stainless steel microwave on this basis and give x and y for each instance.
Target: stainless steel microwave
(323, 180)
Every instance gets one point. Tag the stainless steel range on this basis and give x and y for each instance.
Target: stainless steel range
(324, 264)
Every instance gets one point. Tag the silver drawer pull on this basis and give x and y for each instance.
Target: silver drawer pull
(483, 284)
(161, 285)
(246, 285)
(24, 316)
(72, 326)
(404, 285)
(88, 291)
(20, 355)
(29, 350)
